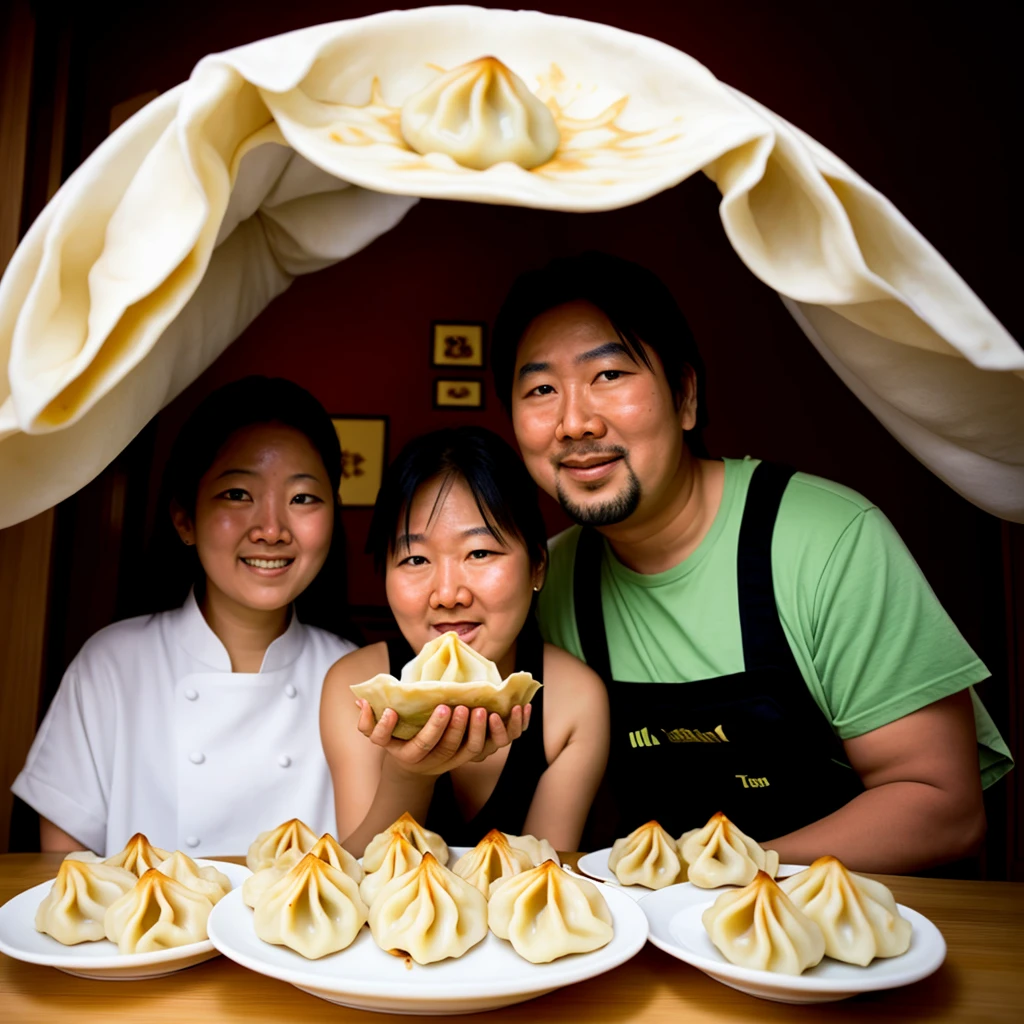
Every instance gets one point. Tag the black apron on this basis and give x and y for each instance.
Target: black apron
(507, 806)
(753, 745)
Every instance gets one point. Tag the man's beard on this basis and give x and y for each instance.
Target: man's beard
(605, 513)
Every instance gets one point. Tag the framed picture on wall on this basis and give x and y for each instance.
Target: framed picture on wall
(456, 344)
(460, 393)
(364, 454)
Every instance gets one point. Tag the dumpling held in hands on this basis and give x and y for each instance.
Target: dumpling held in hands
(858, 916)
(481, 114)
(758, 926)
(447, 671)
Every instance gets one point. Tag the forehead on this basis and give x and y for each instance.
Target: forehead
(446, 502)
(563, 332)
(262, 444)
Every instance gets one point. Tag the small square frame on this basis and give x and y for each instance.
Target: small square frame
(364, 457)
(459, 393)
(456, 344)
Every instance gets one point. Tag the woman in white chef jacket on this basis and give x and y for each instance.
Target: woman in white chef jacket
(199, 726)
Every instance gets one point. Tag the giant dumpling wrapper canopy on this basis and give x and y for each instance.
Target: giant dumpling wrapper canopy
(286, 155)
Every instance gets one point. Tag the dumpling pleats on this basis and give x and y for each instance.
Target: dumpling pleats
(74, 908)
(648, 856)
(159, 913)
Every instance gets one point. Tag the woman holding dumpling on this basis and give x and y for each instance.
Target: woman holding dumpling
(459, 533)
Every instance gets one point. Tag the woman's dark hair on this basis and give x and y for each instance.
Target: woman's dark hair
(243, 403)
(635, 301)
(504, 491)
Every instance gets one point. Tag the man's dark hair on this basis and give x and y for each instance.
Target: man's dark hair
(637, 304)
(504, 491)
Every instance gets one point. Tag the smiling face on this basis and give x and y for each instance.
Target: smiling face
(450, 572)
(598, 430)
(263, 521)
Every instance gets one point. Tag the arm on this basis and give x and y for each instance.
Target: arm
(375, 782)
(55, 840)
(922, 805)
(576, 726)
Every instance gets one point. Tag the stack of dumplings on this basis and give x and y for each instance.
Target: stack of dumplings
(446, 671)
(143, 898)
(316, 903)
(825, 910)
(546, 913)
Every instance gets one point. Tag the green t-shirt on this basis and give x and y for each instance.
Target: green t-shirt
(870, 637)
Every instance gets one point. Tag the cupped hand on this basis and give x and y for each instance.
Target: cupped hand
(450, 737)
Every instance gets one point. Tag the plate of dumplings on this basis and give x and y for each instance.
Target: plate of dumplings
(139, 914)
(716, 854)
(414, 927)
(820, 935)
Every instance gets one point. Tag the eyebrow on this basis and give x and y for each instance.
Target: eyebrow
(252, 472)
(611, 348)
(406, 540)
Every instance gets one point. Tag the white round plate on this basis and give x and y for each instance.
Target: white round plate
(489, 975)
(675, 913)
(595, 866)
(101, 960)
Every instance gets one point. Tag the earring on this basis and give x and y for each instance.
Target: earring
(188, 543)
(536, 590)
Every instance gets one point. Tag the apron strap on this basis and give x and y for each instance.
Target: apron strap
(764, 641)
(586, 587)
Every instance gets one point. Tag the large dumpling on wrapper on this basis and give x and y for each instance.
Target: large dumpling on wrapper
(858, 916)
(481, 114)
(446, 671)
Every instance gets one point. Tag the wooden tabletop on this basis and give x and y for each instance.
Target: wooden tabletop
(981, 980)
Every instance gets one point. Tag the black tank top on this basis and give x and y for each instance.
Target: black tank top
(507, 806)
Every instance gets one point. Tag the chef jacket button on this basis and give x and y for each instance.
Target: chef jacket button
(284, 760)
(192, 841)
(196, 757)
(290, 691)
(191, 694)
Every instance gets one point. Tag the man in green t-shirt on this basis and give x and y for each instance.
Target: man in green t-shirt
(823, 698)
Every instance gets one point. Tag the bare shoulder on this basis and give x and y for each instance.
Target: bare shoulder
(567, 676)
(357, 666)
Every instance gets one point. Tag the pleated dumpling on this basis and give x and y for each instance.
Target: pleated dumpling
(481, 114)
(74, 908)
(315, 909)
(158, 913)
(207, 881)
(492, 858)
(539, 850)
(648, 856)
(429, 913)
(260, 881)
(547, 913)
(446, 671)
(138, 856)
(720, 854)
(268, 846)
(409, 828)
(758, 926)
(399, 857)
(858, 916)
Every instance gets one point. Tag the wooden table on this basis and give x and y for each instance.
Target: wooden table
(981, 980)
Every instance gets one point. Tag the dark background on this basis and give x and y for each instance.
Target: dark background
(920, 99)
